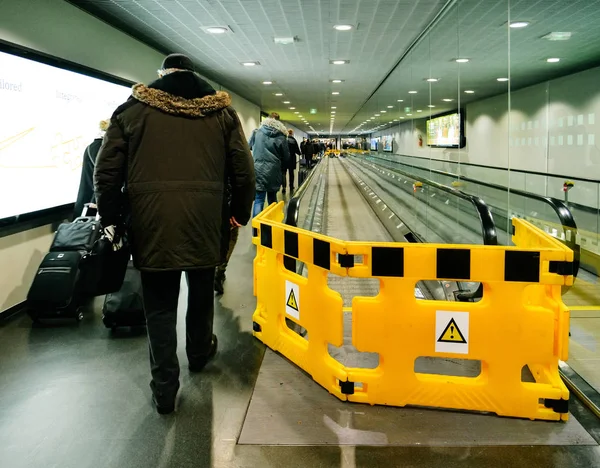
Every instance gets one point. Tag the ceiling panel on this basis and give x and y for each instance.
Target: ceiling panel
(478, 30)
(385, 30)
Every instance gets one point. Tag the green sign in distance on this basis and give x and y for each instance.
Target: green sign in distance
(313, 111)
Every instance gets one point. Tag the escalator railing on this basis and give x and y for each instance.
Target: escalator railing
(533, 205)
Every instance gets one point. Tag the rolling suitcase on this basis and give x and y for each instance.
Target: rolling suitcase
(125, 308)
(302, 174)
(61, 283)
(56, 288)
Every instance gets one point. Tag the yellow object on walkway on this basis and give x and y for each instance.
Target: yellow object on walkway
(520, 321)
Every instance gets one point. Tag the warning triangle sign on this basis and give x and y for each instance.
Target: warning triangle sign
(452, 334)
(291, 301)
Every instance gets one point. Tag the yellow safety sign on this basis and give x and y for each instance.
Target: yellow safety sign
(452, 334)
(291, 302)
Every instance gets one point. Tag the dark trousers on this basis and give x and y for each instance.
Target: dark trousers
(161, 293)
(290, 171)
(233, 237)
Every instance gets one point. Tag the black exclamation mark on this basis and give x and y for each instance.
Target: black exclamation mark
(452, 331)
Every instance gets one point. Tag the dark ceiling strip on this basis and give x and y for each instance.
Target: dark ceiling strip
(444, 10)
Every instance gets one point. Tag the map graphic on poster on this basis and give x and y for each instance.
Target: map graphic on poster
(49, 116)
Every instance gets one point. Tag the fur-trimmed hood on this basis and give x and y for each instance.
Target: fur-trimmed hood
(177, 105)
(271, 123)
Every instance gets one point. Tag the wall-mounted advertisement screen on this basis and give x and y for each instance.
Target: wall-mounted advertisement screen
(446, 131)
(388, 143)
(375, 144)
(49, 116)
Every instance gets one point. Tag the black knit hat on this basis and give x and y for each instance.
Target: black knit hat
(180, 61)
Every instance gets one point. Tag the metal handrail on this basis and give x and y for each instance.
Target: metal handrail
(488, 226)
(563, 213)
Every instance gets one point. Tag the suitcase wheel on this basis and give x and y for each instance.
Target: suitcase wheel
(79, 317)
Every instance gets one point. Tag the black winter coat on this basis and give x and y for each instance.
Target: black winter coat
(294, 150)
(86, 183)
(176, 143)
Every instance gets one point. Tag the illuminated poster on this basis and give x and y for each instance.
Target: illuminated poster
(49, 116)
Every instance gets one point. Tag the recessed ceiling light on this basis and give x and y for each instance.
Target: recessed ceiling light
(432, 80)
(383, 112)
(278, 94)
(419, 110)
(250, 64)
(292, 108)
(333, 107)
(335, 93)
(553, 60)
(469, 91)
(267, 82)
(339, 62)
(519, 24)
(216, 29)
(408, 114)
(390, 107)
(557, 36)
(286, 102)
(337, 81)
(285, 40)
(401, 117)
(400, 100)
(333, 112)
(377, 115)
(296, 112)
(412, 92)
(501, 79)
(343, 27)
(430, 105)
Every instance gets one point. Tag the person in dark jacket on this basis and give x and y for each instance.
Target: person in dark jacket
(309, 152)
(174, 144)
(271, 153)
(85, 193)
(294, 150)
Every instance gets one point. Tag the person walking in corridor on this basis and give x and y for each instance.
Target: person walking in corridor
(294, 150)
(173, 145)
(271, 154)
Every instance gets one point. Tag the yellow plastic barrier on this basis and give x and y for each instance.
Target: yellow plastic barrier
(520, 321)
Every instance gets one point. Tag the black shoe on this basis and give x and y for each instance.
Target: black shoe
(283, 191)
(200, 364)
(219, 282)
(163, 409)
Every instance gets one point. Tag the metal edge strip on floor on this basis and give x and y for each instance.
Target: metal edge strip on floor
(576, 384)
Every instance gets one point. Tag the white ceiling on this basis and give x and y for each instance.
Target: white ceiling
(379, 46)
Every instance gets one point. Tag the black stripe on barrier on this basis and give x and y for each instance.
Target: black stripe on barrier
(254, 232)
(290, 243)
(562, 268)
(522, 266)
(266, 236)
(347, 388)
(346, 261)
(559, 406)
(322, 254)
(387, 261)
(453, 263)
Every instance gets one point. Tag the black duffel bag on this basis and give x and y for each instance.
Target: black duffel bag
(78, 236)
(104, 268)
